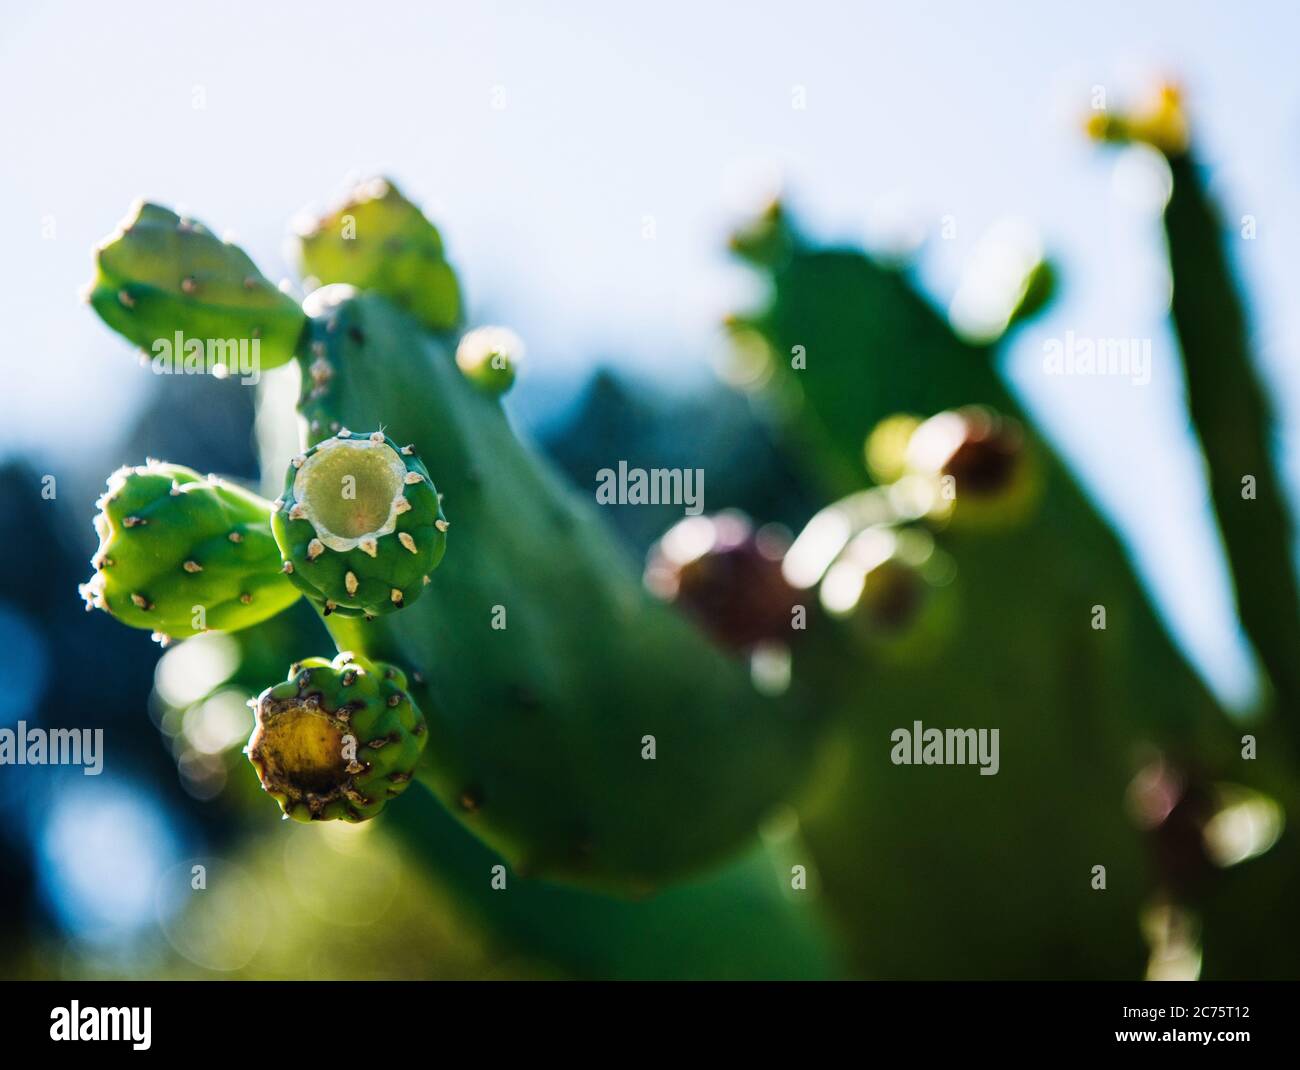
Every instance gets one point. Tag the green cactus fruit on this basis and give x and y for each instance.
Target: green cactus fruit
(180, 554)
(489, 357)
(360, 524)
(983, 468)
(160, 275)
(894, 587)
(378, 240)
(338, 739)
(726, 576)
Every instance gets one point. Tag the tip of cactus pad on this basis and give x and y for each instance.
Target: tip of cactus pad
(378, 240)
(1161, 123)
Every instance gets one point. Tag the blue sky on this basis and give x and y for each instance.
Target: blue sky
(672, 111)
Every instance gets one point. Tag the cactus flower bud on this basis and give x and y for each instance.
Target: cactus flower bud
(1161, 123)
(180, 554)
(160, 275)
(359, 525)
(338, 739)
(489, 357)
(378, 240)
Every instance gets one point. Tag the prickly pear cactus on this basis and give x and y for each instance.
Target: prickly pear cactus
(338, 739)
(579, 727)
(1033, 565)
(359, 524)
(1234, 420)
(180, 554)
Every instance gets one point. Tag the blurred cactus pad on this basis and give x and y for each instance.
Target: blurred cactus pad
(921, 722)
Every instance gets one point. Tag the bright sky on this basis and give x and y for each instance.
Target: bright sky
(244, 113)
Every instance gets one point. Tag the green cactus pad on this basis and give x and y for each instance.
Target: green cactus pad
(378, 240)
(549, 668)
(180, 554)
(159, 274)
(338, 739)
(360, 525)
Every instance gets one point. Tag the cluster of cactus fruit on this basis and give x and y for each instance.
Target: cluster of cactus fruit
(546, 665)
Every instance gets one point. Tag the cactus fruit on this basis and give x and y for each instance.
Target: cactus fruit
(338, 739)
(378, 240)
(726, 576)
(981, 462)
(180, 554)
(159, 274)
(489, 357)
(1173, 809)
(894, 587)
(360, 524)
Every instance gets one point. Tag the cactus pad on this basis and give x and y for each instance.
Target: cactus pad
(159, 274)
(359, 525)
(338, 739)
(180, 554)
(549, 669)
(378, 240)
